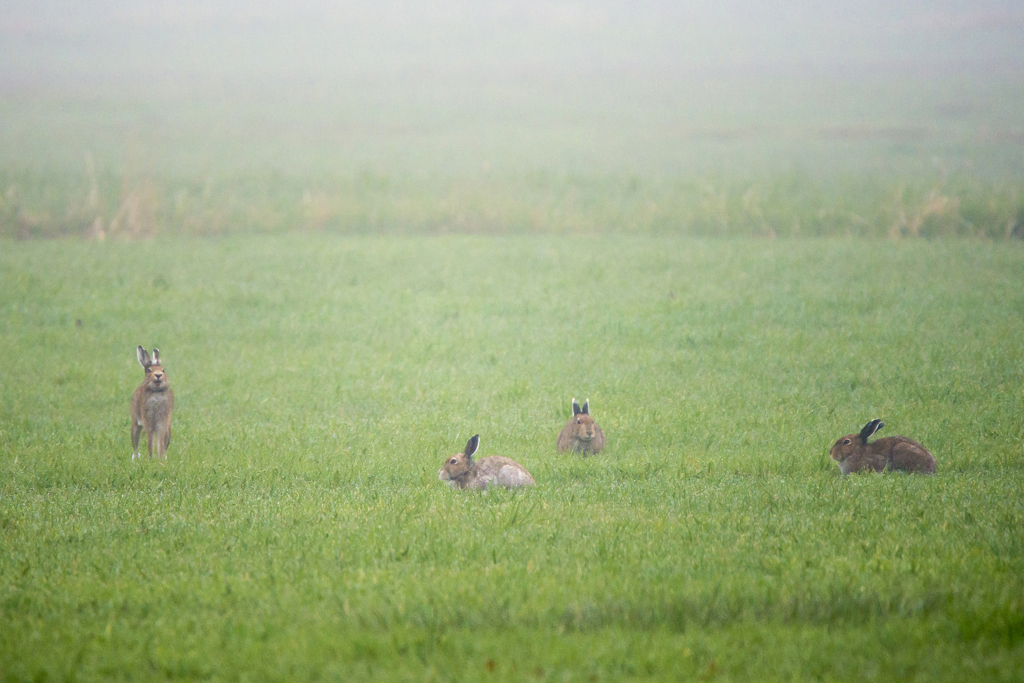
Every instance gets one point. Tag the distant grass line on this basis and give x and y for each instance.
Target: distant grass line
(42, 205)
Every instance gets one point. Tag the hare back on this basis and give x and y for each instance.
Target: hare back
(905, 455)
(138, 400)
(566, 438)
(502, 471)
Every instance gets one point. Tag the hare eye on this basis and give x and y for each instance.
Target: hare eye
(846, 442)
(454, 461)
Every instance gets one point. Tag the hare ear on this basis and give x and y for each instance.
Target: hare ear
(156, 356)
(576, 408)
(143, 357)
(472, 445)
(586, 407)
(869, 429)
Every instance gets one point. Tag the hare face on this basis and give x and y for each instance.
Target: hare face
(844, 447)
(455, 467)
(156, 378)
(585, 428)
(458, 469)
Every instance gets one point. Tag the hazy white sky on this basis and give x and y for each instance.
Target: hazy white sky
(49, 39)
(459, 84)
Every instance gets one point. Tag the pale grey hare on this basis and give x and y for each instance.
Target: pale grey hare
(152, 406)
(460, 471)
(581, 434)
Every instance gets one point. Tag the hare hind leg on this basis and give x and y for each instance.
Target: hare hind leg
(911, 457)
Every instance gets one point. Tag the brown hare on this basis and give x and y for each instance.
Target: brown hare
(581, 434)
(853, 453)
(152, 405)
(460, 471)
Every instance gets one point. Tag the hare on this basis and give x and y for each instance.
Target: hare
(152, 405)
(581, 434)
(460, 471)
(853, 453)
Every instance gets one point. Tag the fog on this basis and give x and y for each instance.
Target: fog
(50, 43)
(456, 85)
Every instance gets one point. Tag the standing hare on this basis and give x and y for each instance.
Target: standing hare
(581, 434)
(853, 453)
(460, 471)
(152, 405)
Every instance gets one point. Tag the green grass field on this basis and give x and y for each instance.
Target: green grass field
(298, 530)
(361, 233)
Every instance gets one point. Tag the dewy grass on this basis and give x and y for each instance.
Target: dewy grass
(298, 530)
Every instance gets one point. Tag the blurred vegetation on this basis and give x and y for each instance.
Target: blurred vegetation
(791, 204)
(655, 150)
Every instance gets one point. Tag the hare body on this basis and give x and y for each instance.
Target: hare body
(152, 407)
(853, 453)
(581, 434)
(460, 471)
(863, 461)
(905, 455)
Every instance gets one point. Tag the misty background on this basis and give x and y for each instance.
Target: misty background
(460, 89)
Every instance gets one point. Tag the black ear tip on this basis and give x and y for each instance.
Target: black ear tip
(870, 428)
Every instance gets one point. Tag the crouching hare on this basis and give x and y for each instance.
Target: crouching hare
(853, 453)
(152, 405)
(581, 434)
(460, 471)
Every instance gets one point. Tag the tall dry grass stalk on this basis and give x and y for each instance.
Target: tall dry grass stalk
(136, 218)
(936, 208)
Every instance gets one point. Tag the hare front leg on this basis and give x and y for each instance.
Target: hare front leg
(136, 433)
(164, 440)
